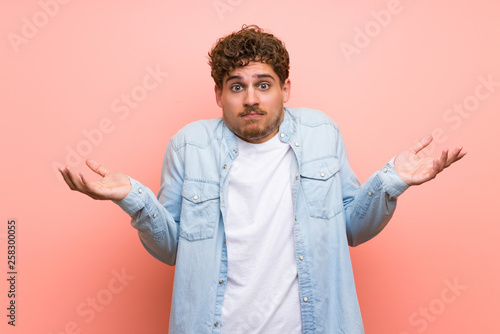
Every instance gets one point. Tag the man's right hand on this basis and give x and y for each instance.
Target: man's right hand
(113, 185)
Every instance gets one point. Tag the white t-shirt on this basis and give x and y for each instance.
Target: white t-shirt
(262, 291)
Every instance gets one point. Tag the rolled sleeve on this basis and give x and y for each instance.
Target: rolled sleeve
(136, 198)
(391, 181)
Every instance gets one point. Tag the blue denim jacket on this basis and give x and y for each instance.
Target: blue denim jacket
(185, 225)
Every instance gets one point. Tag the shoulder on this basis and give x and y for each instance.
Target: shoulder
(311, 118)
(198, 133)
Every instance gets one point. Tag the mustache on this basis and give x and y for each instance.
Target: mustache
(252, 109)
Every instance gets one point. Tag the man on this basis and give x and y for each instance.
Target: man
(257, 208)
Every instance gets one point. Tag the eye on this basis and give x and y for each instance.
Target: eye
(236, 88)
(264, 86)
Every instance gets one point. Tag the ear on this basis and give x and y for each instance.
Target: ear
(287, 86)
(218, 95)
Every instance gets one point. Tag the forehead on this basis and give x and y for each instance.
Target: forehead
(251, 71)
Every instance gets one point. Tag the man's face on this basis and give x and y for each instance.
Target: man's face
(252, 101)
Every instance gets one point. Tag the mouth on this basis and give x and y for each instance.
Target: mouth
(253, 114)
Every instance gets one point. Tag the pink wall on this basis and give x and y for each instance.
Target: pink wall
(387, 71)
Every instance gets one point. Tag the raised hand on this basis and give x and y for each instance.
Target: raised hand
(113, 185)
(416, 169)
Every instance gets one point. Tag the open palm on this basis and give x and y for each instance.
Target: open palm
(414, 168)
(113, 185)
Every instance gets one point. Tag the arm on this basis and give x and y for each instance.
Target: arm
(157, 220)
(156, 226)
(369, 207)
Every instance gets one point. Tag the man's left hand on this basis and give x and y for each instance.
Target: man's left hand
(416, 169)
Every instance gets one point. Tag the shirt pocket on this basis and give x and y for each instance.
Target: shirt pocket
(200, 210)
(320, 182)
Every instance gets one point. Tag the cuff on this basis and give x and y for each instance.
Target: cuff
(392, 182)
(135, 199)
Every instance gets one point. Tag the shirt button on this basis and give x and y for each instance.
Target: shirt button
(305, 299)
(224, 242)
(225, 166)
(296, 144)
(195, 197)
(385, 170)
(322, 174)
(282, 135)
(154, 215)
(221, 282)
(139, 191)
(295, 218)
(296, 177)
(301, 258)
(235, 151)
(369, 193)
(216, 324)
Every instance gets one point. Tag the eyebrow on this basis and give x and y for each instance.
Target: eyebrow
(259, 76)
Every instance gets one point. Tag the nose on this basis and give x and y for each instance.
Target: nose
(251, 97)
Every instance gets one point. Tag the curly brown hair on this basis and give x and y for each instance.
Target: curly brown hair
(249, 44)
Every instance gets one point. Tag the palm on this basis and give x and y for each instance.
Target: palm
(414, 168)
(113, 185)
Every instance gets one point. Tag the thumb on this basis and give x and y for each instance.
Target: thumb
(422, 143)
(97, 167)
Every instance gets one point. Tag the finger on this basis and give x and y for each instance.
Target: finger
(64, 173)
(442, 160)
(90, 188)
(97, 167)
(85, 182)
(76, 181)
(434, 171)
(423, 143)
(454, 156)
(459, 155)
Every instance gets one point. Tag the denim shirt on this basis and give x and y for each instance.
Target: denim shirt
(184, 226)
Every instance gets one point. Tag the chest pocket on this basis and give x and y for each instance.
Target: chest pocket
(320, 182)
(200, 210)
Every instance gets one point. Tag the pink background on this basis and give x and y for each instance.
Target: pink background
(65, 68)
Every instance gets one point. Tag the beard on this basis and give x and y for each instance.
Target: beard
(252, 130)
